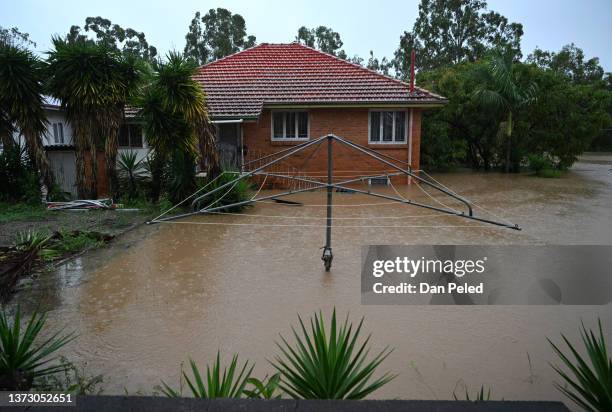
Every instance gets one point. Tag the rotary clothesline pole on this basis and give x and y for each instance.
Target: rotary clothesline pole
(327, 250)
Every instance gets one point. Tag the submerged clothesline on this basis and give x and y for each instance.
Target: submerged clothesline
(436, 215)
(320, 226)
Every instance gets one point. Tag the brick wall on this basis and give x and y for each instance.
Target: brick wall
(351, 124)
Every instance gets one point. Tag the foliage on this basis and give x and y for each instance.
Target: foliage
(382, 66)
(570, 63)
(481, 395)
(266, 389)
(217, 34)
(71, 242)
(131, 173)
(562, 124)
(501, 88)
(589, 380)
(328, 363)
(177, 126)
(448, 32)
(128, 41)
(10, 212)
(234, 193)
(14, 37)
(35, 241)
(18, 177)
(21, 104)
(229, 385)
(73, 379)
(323, 38)
(23, 358)
(94, 81)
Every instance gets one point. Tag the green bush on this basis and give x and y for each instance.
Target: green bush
(234, 193)
(542, 165)
(18, 178)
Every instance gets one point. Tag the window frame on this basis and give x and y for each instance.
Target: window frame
(407, 127)
(58, 132)
(130, 145)
(297, 126)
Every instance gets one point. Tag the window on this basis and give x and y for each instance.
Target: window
(289, 125)
(388, 126)
(130, 135)
(58, 133)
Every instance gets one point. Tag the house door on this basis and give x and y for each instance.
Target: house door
(229, 143)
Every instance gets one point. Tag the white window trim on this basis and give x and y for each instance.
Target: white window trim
(289, 139)
(57, 130)
(407, 128)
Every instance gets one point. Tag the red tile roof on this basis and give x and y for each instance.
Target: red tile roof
(240, 85)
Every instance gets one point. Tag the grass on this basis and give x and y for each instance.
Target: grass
(10, 212)
(71, 243)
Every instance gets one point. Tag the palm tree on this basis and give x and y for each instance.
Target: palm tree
(94, 83)
(177, 126)
(501, 89)
(21, 104)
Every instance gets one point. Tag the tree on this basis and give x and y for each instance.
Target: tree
(128, 41)
(217, 34)
(448, 32)
(502, 89)
(570, 63)
(14, 37)
(94, 82)
(21, 104)
(382, 66)
(322, 38)
(177, 126)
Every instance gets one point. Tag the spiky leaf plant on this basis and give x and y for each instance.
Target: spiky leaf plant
(589, 381)
(266, 389)
(23, 358)
(229, 385)
(481, 395)
(329, 363)
(36, 242)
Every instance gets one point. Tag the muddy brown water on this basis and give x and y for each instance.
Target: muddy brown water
(165, 292)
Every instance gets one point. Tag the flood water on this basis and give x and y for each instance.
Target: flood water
(165, 292)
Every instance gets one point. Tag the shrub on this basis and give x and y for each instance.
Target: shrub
(234, 193)
(481, 395)
(590, 387)
(328, 363)
(22, 358)
(18, 178)
(131, 173)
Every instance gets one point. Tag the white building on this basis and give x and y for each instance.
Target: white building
(59, 144)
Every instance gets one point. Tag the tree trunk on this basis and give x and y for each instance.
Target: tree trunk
(508, 141)
(110, 151)
(37, 154)
(93, 155)
(209, 155)
(80, 149)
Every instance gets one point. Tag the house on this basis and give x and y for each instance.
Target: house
(59, 145)
(275, 95)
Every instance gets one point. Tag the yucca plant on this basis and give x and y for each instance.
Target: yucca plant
(328, 363)
(266, 389)
(228, 385)
(22, 358)
(588, 385)
(131, 172)
(36, 242)
(481, 395)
